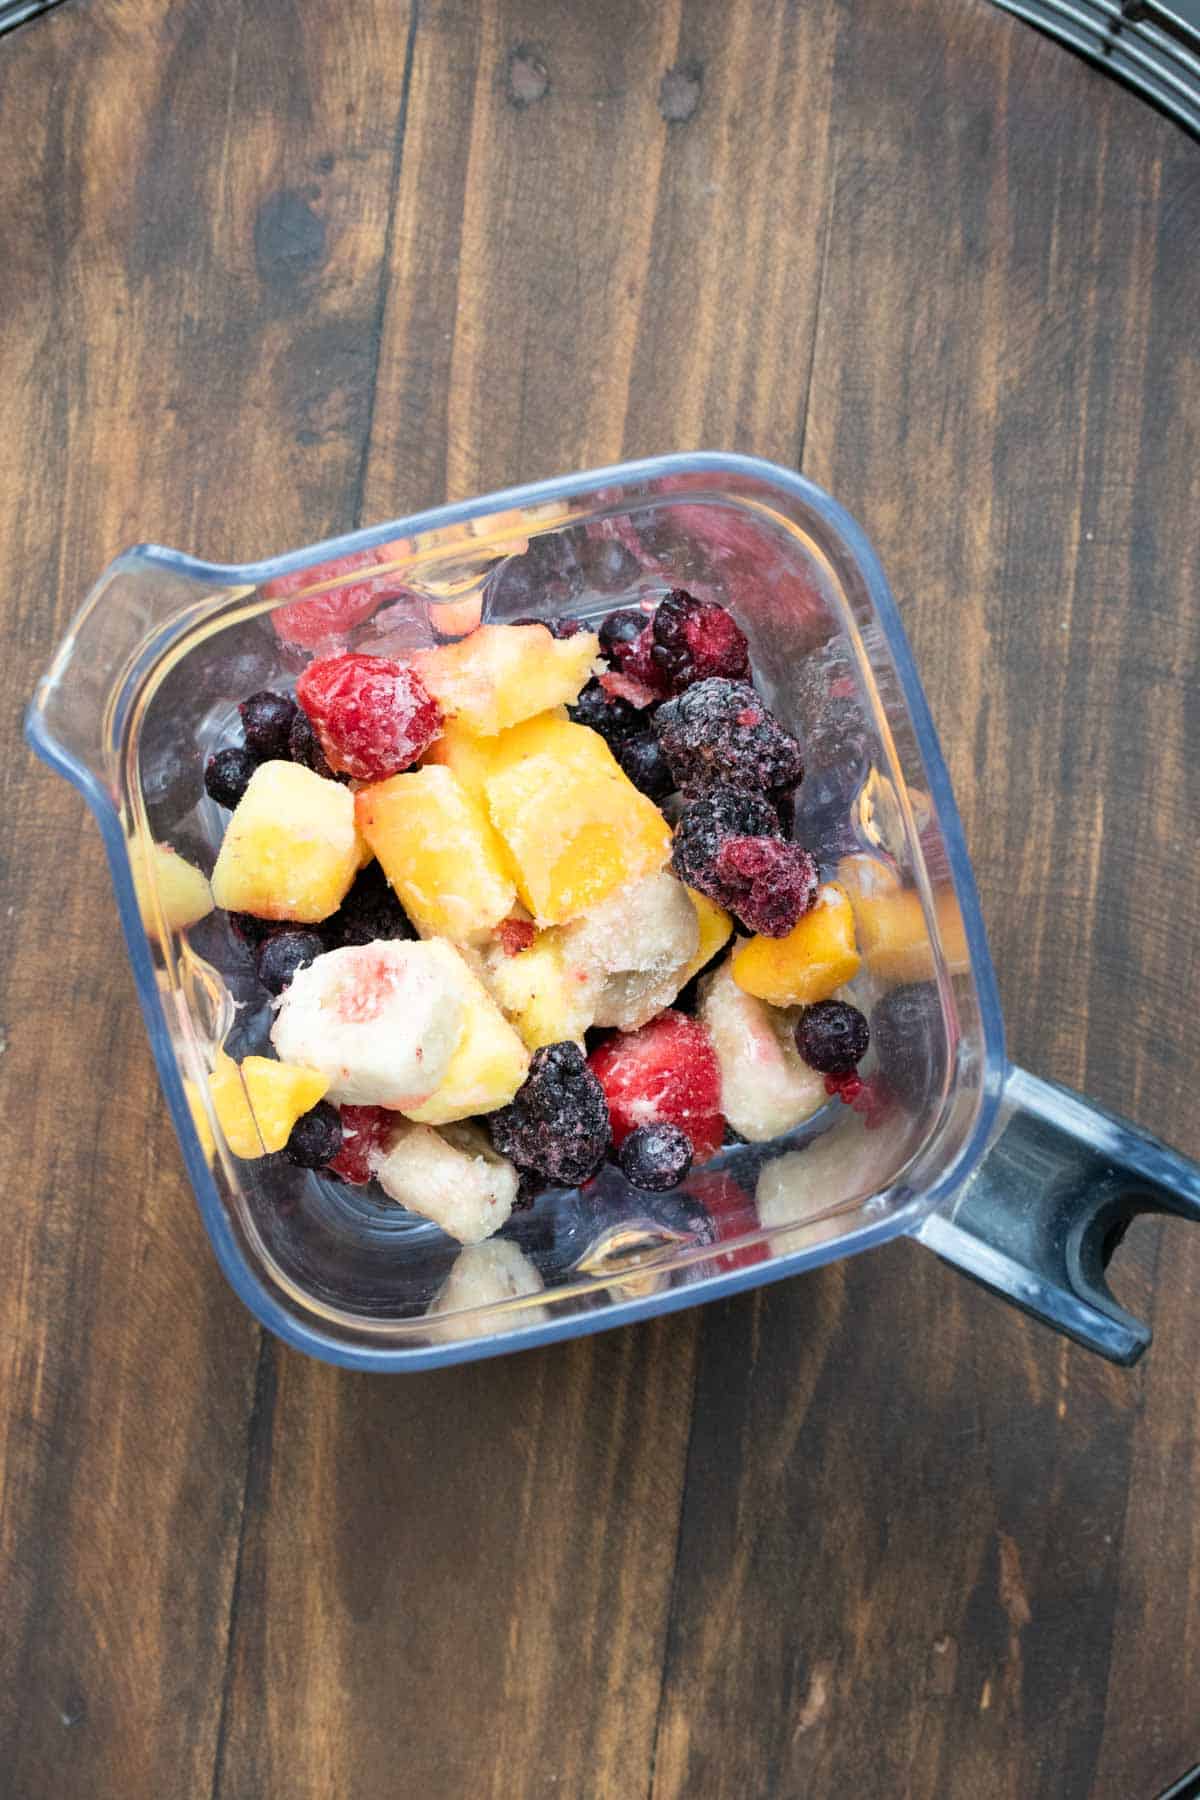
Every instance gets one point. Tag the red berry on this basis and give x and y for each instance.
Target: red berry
(771, 884)
(665, 1073)
(364, 1130)
(515, 935)
(846, 1087)
(373, 717)
(694, 639)
(733, 1214)
(311, 623)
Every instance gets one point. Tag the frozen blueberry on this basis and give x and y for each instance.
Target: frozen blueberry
(621, 627)
(316, 1137)
(227, 776)
(608, 565)
(655, 1157)
(267, 720)
(370, 911)
(557, 1126)
(304, 748)
(646, 766)
(615, 719)
(909, 1035)
(170, 781)
(280, 955)
(832, 1037)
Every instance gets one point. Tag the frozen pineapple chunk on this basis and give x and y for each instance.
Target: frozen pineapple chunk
(502, 674)
(716, 928)
(180, 889)
(574, 825)
(290, 850)
(815, 958)
(490, 1062)
(548, 1002)
(483, 1275)
(438, 850)
(453, 1177)
(257, 1105)
(766, 1086)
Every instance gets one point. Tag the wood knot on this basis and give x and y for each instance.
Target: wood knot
(680, 90)
(528, 76)
(289, 239)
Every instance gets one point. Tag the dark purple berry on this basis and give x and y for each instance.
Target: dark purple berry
(227, 776)
(283, 953)
(304, 747)
(720, 732)
(557, 1126)
(909, 1034)
(250, 928)
(771, 885)
(646, 766)
(316, 1137)
(832, 1037)
(622, 627)
(704, 826)
(695, 639)
(243, 661)
(267, 720)
(369, 912)
(655, 1157)
(608, 714)
(170, 776)
(608, 565)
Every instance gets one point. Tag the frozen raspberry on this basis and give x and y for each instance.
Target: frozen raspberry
(615, 719)
(373, 717)
(704, 826)
(283, 953)
(227, 776)
(303, 747)
(316, 1137)
(267, 720)
(655, 1157)
(694, 639)
(720, 732)
(646, 766)
(558, 1123)
(365, 1129)
(666, 1073)
(771, 885)
(515, 935)
(309, 623)
(369, 912)
(832, 1037)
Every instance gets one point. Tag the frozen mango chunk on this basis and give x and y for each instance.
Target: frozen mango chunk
(490, 1062)
(716, 928)
(574, 825)
(894, 936)
(290, 850)
(501, 674)
(438, 850)
(815, 958)
(257, 1105)
(180, 889)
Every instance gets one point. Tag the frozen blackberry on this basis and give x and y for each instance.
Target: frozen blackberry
(280, 955)
(720, 732)
(655, 1157)
(695, 639)
(316, 1137)
(706, 823)
(646, 766)
(267, 720)
(832, 1037)
(557, 1126)
(771, 884)
(621, 628)
(227, 776)
(909, 1035)
(304, 748)
(606, 713)
(370, 911)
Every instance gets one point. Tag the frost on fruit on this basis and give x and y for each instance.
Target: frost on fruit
(766, 1087)
(489, 1062)
(502, 674)
(163, 879)
(290, 850)
(452, 1176)
(639, 942)
(258, 1103)
(438, 850)
(484, 1275)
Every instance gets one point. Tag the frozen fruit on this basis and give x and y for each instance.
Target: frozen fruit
(719, 733)
(382, 1021)
(667, 1071)
(304, 748)
(290, 850)
(607, 565)
(365, 1130)
(620, 629)
(909, 1035)
(566, 627)
(642, 759)
(655, 1157)
(574, 825)
(315, 1138)
(607, 713)
(482, 1276)
(372, 716)
(267, 720)
(502, 674)
(313, 622)
(453, 1177)
(548, 1002)
(170, 774)
(895, 936)
(815, 958)
(638, 693)
(769, 884)
(436, 846)
(731, 1214)
(369, 912)
(716, 928)
(280, 955)
(638, 943)
(557, 1124)
(168, 886)
(694, 639)
(514, 935)
(258, 1102)
(490, 1060)
(766, 1087)
(705, 824)
(832, 1036)
(227, 775)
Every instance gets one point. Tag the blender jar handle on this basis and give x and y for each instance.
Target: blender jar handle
(1039, 1217)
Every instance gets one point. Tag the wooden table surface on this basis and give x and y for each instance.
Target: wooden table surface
(272, 268)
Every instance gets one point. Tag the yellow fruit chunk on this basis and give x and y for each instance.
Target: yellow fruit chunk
(863, 876)
(182, 893)
(548, 1001)
(490, 1062)
(574, 824)
(474, 758)
(290, 850)
(895, 937)
(199, 1114)
(439, 852)
(716, 927)
(815, 958)
(502, 674)
(257, 1105)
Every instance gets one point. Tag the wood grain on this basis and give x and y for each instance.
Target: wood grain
(272, 269)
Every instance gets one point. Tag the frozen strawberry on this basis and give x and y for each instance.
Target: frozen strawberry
(365, 1129)
(665, 1073)
(733, 1214)
(313, 622)
(373, 717)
